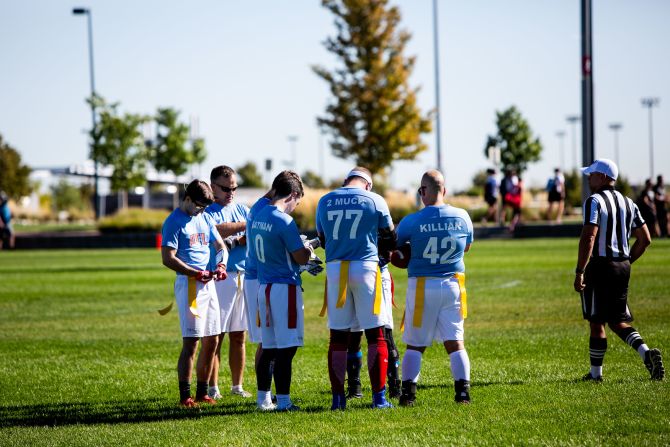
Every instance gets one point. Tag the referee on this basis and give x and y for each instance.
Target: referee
(603, 267)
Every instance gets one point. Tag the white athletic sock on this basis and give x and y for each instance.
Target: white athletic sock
(460, 365)
(596, 371)
(263, 397)
(411, 365)
(642, 350)
(283, 400)
(236, 388)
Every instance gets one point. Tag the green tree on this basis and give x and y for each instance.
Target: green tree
(69, 197)
(373, 116)
(172, 150)
(118, 143)
(518, 146)
(313, 180)
(13, 175)
(249, 176)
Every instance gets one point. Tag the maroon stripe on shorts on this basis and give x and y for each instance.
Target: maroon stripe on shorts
(268, 287)
(292, 305)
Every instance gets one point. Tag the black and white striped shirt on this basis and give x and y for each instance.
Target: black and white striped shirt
(616, 216)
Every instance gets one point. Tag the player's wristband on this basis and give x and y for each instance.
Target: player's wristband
(579, 271)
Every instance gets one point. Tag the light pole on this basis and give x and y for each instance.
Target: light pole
(561, 148)
(438, 132)
(573, 120)
(293, 139)
(88, 14)
(650, 103)
(616, 127)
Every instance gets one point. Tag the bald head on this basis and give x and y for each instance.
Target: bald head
(432, 188)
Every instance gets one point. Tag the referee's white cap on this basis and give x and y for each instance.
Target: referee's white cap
(604, 166)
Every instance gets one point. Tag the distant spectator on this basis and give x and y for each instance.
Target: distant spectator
(512, 198)
(491, 195)
(556, 190)
(660, 204)
(645, 202)
(6, 231)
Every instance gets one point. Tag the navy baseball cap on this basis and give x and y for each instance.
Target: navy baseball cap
(603, 166)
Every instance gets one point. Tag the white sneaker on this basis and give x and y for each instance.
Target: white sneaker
(266, 406)
(214, 393)
(241, 393)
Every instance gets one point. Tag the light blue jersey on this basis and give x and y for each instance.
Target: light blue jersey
(250, 268)
(438, 236)
(233, 212)
(190, 236)
(350, 219)
(275, 236)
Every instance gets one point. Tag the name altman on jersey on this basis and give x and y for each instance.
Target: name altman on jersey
(440, 226)
(257, 225)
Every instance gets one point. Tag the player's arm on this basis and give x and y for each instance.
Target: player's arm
(301, 255)
(467, 248)
(226, 229)
(171, 261)
(586, 242)
(642, 241)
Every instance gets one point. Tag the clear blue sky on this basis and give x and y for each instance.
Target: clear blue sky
(243, 68)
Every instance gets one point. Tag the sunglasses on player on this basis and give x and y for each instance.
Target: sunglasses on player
(225, 188)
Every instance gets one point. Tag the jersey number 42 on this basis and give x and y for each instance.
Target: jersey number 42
(431, 251)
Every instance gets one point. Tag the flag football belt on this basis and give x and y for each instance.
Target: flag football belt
(419, 297)
(292, 306)
(342, 290)
(192, 295)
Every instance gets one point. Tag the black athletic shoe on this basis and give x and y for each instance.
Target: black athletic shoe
(354, 389)
(394, 387)
(654, 363)
(462, 388)
(408, 396)
(589, 378)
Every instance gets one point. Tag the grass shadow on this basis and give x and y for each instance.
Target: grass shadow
(110, 412)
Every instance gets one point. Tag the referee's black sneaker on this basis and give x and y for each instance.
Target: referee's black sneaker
(654, 363)
(408, 396)
(589, 378)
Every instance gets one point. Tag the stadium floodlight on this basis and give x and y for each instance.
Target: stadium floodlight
(561, 148)
(650, 103)
(87, 13)
(573, 120)
(615, 127)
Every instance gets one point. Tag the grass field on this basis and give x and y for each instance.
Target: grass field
(87, 360)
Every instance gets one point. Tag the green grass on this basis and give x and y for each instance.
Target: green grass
(87, 360)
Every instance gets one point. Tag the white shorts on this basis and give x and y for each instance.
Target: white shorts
(282, 315)
(251, 303)
(208, 321)
(358, 308)
(231, 302)
(387, 304)
(441, 317)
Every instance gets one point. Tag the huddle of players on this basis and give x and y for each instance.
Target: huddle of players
(355, 228)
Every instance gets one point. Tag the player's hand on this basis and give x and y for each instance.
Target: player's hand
(579, 282)
(242, 240)
(220, 273)
(204, 276)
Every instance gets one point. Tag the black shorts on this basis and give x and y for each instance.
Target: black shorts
(605, 298)
(491, 200)
(555, 196)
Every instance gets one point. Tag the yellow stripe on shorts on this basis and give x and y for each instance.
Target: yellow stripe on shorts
(344, 279)
(376, 308)
(464, 295)
(192, 294)
(324, 307)
(402, 322)
(419, 294)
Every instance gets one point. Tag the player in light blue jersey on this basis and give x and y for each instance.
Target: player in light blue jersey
(348, 222)
(279, 251)
(438, 236)
(187, 234)
(230, 219)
